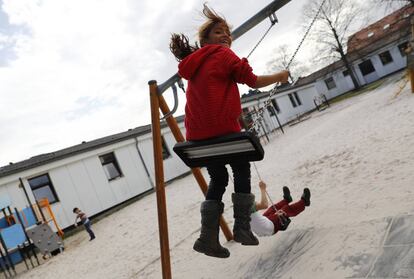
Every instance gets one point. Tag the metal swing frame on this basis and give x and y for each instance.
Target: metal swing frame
(158, 103)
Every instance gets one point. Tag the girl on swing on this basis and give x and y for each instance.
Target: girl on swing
(277, 216)
(213, 108)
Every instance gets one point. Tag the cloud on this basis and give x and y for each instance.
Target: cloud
(80, 68)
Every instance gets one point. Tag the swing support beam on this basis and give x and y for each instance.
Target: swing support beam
(158, 103)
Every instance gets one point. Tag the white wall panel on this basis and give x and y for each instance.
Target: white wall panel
(67, 194)
(99, 182)
(84, 188)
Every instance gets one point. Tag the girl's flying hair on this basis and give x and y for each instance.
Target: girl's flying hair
(179, 44)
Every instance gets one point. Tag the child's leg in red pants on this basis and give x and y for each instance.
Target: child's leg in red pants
(291, 210)
(271, 210)
(294, 209)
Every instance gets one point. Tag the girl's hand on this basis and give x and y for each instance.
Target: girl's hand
(266, 80)
(262, 185)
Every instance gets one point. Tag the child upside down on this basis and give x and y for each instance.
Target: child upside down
(276, 217)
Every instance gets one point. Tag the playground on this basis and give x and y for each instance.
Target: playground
(356, 156)
(26, 237)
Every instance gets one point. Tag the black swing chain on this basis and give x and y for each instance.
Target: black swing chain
(306, 34)
(273, 20)
(268, 102)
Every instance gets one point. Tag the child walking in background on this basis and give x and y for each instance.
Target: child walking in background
(276, 217)
(85, 221)
(213, 108)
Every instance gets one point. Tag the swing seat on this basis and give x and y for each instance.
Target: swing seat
(236, 147)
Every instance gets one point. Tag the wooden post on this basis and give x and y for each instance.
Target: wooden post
(44, 203)
(41, 212)
(410, 56)
(172, 123)
(159, 181)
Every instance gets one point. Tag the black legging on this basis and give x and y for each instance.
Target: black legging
(219, 179)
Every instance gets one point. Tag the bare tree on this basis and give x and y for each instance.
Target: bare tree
(395, 3)
(333, 25)
(281, 60)
(391, 5)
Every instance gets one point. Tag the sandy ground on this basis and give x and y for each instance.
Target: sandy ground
(357, 157)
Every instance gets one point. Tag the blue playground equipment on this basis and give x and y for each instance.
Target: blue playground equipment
(23, 233)
(16, 246)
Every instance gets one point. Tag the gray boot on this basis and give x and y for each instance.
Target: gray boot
(208, 243)
(242, 210)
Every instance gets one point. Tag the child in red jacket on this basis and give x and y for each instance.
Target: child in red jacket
(213, 109)
(276, 217)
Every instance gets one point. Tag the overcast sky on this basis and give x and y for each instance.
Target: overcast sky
(73, 71)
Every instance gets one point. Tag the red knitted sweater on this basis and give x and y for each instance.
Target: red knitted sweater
(213, 100)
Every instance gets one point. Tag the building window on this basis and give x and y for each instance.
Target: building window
(271, 110)
(110, 166)
(246, 120)
(330, 83)
(165, 152)
(292, 100)
(402, 47)
(345, 73)
(297, 98)
(366, 67)
(275, 105)
(42, 188)
(385, 57)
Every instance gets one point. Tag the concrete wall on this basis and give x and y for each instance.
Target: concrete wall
(343, 84)
(287, 112)
(173, 166)
(398, 63)
(80, 181)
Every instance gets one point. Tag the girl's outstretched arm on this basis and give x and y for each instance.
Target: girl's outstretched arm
(263, 204)
(266, 80)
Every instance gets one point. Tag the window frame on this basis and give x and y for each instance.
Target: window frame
(329, 82)
(43, 185)
(247, 119)
(292, 100)
(166, 153)
(345, 72)
(385, 57)
(366, 62)
(114, 162)
(271, 110)
(275, 105)
(298, 100)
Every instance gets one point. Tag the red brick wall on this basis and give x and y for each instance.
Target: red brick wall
(397, 20)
